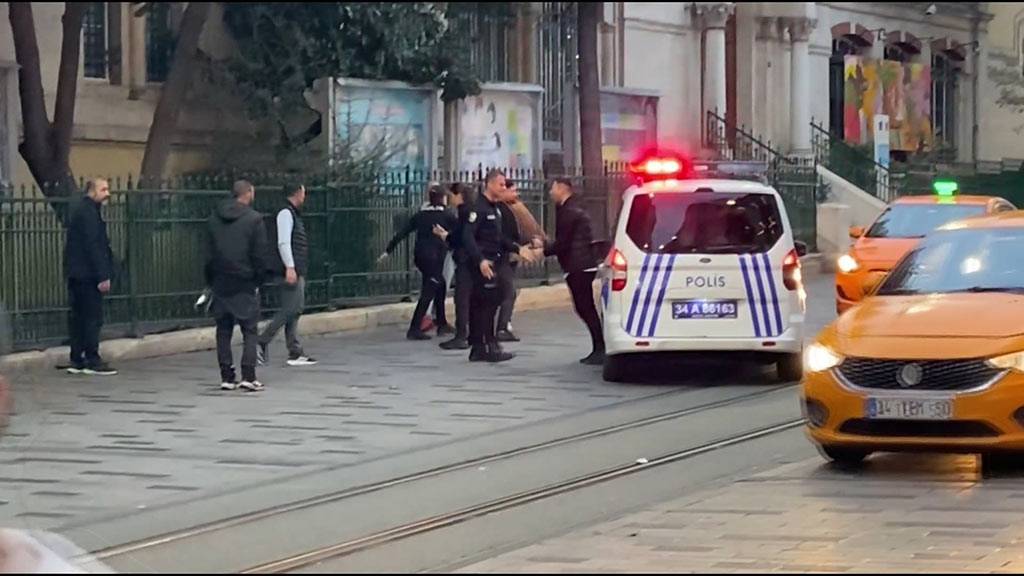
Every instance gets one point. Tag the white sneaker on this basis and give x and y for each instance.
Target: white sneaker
(302, 361)
(228, 385)
(254, 386)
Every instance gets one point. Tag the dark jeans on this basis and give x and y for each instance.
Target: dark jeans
(293, 302)
(85, 321)
(244, 310)
(581, 286)
(433, 290)
(487, 296)
(463, 294)
(508, 299)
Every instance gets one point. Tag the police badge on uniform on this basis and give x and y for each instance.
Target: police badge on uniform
(472, 217)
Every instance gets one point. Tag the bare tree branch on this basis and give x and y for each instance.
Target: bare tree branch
(67, 81)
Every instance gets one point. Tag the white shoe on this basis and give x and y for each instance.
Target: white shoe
(254, 386)
(302, 361)
(228, 385)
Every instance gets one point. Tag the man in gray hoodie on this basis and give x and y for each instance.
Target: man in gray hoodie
(236, 264)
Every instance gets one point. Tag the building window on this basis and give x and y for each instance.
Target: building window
(94, 37)
(842, 47)
(945, 71)
(159, 41)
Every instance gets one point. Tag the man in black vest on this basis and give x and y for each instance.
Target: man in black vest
(293, 248)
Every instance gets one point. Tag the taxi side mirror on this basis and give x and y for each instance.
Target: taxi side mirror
(856, 232)
(872, 282)
(801, 248)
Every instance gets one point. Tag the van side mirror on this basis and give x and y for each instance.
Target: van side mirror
(801, 248)
(857, 231)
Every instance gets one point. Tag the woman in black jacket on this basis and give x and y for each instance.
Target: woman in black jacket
(429, 256)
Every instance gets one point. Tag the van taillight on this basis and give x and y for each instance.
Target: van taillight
(791, 275)
(617, 262)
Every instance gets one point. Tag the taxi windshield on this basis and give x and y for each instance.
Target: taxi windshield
(965, 260)
(917, 220)
(704, 222)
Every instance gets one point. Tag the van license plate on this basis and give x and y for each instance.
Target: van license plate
(703, 309)
(908, 409)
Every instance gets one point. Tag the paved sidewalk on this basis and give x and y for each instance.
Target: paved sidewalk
(903, 513)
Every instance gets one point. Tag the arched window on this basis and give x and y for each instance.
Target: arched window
(842, 46)
(945, 84)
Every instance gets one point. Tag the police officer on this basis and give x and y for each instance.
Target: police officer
(463, 198)
(488, 249)
(430, 254)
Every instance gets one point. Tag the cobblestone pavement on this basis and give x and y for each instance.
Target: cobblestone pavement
(902, 513)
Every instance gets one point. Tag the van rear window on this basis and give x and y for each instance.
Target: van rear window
(704, 223)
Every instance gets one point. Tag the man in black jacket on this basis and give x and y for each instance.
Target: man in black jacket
(430, 253)
(291, 262)
(88, 265)
(508, 288)
(463, 198)
(235, 268)
(574, 247)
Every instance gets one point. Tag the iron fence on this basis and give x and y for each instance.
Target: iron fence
(157, 237)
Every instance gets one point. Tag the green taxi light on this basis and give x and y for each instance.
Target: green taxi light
(945, 187)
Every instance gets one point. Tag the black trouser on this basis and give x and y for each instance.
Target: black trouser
(85, 321)
(581, 286)
(242, 309)
(487, 296)
(434, 289)
(463, 295)
(508, 299)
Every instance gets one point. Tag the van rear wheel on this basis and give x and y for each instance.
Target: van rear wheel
(790, 367)
(614, 369)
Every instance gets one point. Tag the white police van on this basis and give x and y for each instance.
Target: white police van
(702, 262)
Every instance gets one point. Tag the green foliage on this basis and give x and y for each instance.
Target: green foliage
(283, 48)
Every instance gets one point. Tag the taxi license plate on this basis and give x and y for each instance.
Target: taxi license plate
(908, 409)
(703, 309)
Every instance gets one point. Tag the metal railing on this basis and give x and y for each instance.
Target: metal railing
(157, 237)
(854, 165)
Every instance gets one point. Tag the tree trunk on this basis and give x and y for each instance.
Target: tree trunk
(172, 95)
(46, 147)
(587, 20)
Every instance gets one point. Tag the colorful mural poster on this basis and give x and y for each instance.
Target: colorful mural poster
(394, 120)
(900, 91)
(498, 129)
(629, 124)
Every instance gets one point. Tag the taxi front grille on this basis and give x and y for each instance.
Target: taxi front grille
(949, 375)
(919, 428)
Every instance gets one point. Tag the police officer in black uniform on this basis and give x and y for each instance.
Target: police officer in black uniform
(430, 253)
(488, 248)
(464, 198)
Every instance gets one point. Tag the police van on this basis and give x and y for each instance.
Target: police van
(703, 260)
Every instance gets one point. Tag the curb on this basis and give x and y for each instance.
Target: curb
(322, 323)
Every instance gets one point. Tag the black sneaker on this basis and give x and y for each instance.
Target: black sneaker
(495, 355)
(99, 369)
(507, 336)
(477, 354)
(75, 368)
(417, 335)
(455, 344)
(261, 354)
(445, 330)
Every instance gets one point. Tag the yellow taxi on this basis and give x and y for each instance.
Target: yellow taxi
(933, 358)
(897, 230)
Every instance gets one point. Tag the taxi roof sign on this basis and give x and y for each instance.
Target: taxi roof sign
(945, 188)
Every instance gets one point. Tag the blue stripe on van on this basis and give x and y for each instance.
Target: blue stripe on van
(762, 300)
(652, 280)
(636, 294)
(750, 296)
(775, 296)
(661, 295)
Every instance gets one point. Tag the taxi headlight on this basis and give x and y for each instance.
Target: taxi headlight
(847, 264)
(818, 358)
(1014, 361)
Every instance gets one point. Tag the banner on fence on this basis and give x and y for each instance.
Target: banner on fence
(629, 123)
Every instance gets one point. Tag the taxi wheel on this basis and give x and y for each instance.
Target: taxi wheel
(790, 367)
(844, 456)
(614, 369)
(1002, 461)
